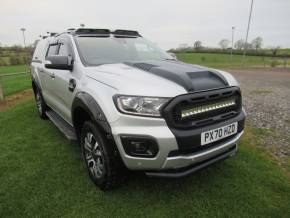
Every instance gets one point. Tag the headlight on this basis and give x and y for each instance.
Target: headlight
(137, 105)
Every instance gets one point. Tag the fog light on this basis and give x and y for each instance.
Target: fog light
(139, 146)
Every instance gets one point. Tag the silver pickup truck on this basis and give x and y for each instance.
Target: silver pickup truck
(132, 106)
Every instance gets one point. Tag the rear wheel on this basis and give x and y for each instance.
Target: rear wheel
(40, 104)
(102, 160)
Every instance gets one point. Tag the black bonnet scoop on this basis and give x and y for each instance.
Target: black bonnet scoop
(190, 77)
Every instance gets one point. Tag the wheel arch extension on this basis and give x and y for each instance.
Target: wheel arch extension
(35, 86)
(85, 107)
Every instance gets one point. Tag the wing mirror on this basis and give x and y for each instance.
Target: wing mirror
(58, 62)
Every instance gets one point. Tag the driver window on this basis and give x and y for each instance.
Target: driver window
(52, 50)
(63, 50)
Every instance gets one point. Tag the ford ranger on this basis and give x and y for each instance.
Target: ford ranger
(132, 106)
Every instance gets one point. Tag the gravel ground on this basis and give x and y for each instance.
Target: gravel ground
(266, 97)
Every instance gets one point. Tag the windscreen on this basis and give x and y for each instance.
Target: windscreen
(106, 50)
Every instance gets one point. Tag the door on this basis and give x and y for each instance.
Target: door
(61, 87)
(46, 75)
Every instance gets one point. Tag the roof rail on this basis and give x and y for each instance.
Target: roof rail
(69, 31)
(53, 34)
(106, 32)
(97, 32)
(85, 31)
(122, 33)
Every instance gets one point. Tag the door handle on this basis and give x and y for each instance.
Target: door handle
(52, 75)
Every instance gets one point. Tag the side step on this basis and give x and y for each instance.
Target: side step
(62, 125)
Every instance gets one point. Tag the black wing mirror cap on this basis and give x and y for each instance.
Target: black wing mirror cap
(58, 62)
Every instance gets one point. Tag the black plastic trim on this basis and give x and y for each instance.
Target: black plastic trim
(137, 137)
(185, 171)
(126, 33)
(190, 140)
(87, 102)
(36, 61)
(87, 31)
(196, 98)
(62, 125)
(105, 32)
(34, 82)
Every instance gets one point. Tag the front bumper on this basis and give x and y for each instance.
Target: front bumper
(165, 164)
(186, 160)
(195, 162)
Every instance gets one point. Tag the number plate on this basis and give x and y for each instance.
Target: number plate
(219, 133)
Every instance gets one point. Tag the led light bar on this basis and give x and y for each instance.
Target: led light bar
(206, 108)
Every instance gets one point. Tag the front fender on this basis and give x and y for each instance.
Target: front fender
(86, 102)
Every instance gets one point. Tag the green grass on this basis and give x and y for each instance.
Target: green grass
(13, 69)
(15, 83)
(42, 175)
(223, 60)
(284, 51)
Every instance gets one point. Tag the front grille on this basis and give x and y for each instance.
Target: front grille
(202, 108)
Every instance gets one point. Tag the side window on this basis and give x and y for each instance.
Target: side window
(52, 50)
(63, 50)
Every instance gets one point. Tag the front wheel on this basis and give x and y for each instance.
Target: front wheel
(102, 160)
(40, 104)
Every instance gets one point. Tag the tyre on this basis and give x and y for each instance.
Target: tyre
(101, 157)
(40, 104)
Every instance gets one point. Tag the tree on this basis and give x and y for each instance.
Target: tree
(275, 50)
(248, 45)
(183, 46)
(14, 60)
(224, 43)
(16, 48)
(257, 43)
(197, 45)
(239, 44)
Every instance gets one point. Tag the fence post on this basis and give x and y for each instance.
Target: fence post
(1, 93)
(264, 61)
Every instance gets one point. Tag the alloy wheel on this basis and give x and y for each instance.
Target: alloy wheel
(38, 102)
(93, 155)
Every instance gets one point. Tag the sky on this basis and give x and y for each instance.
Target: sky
(165, 22)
